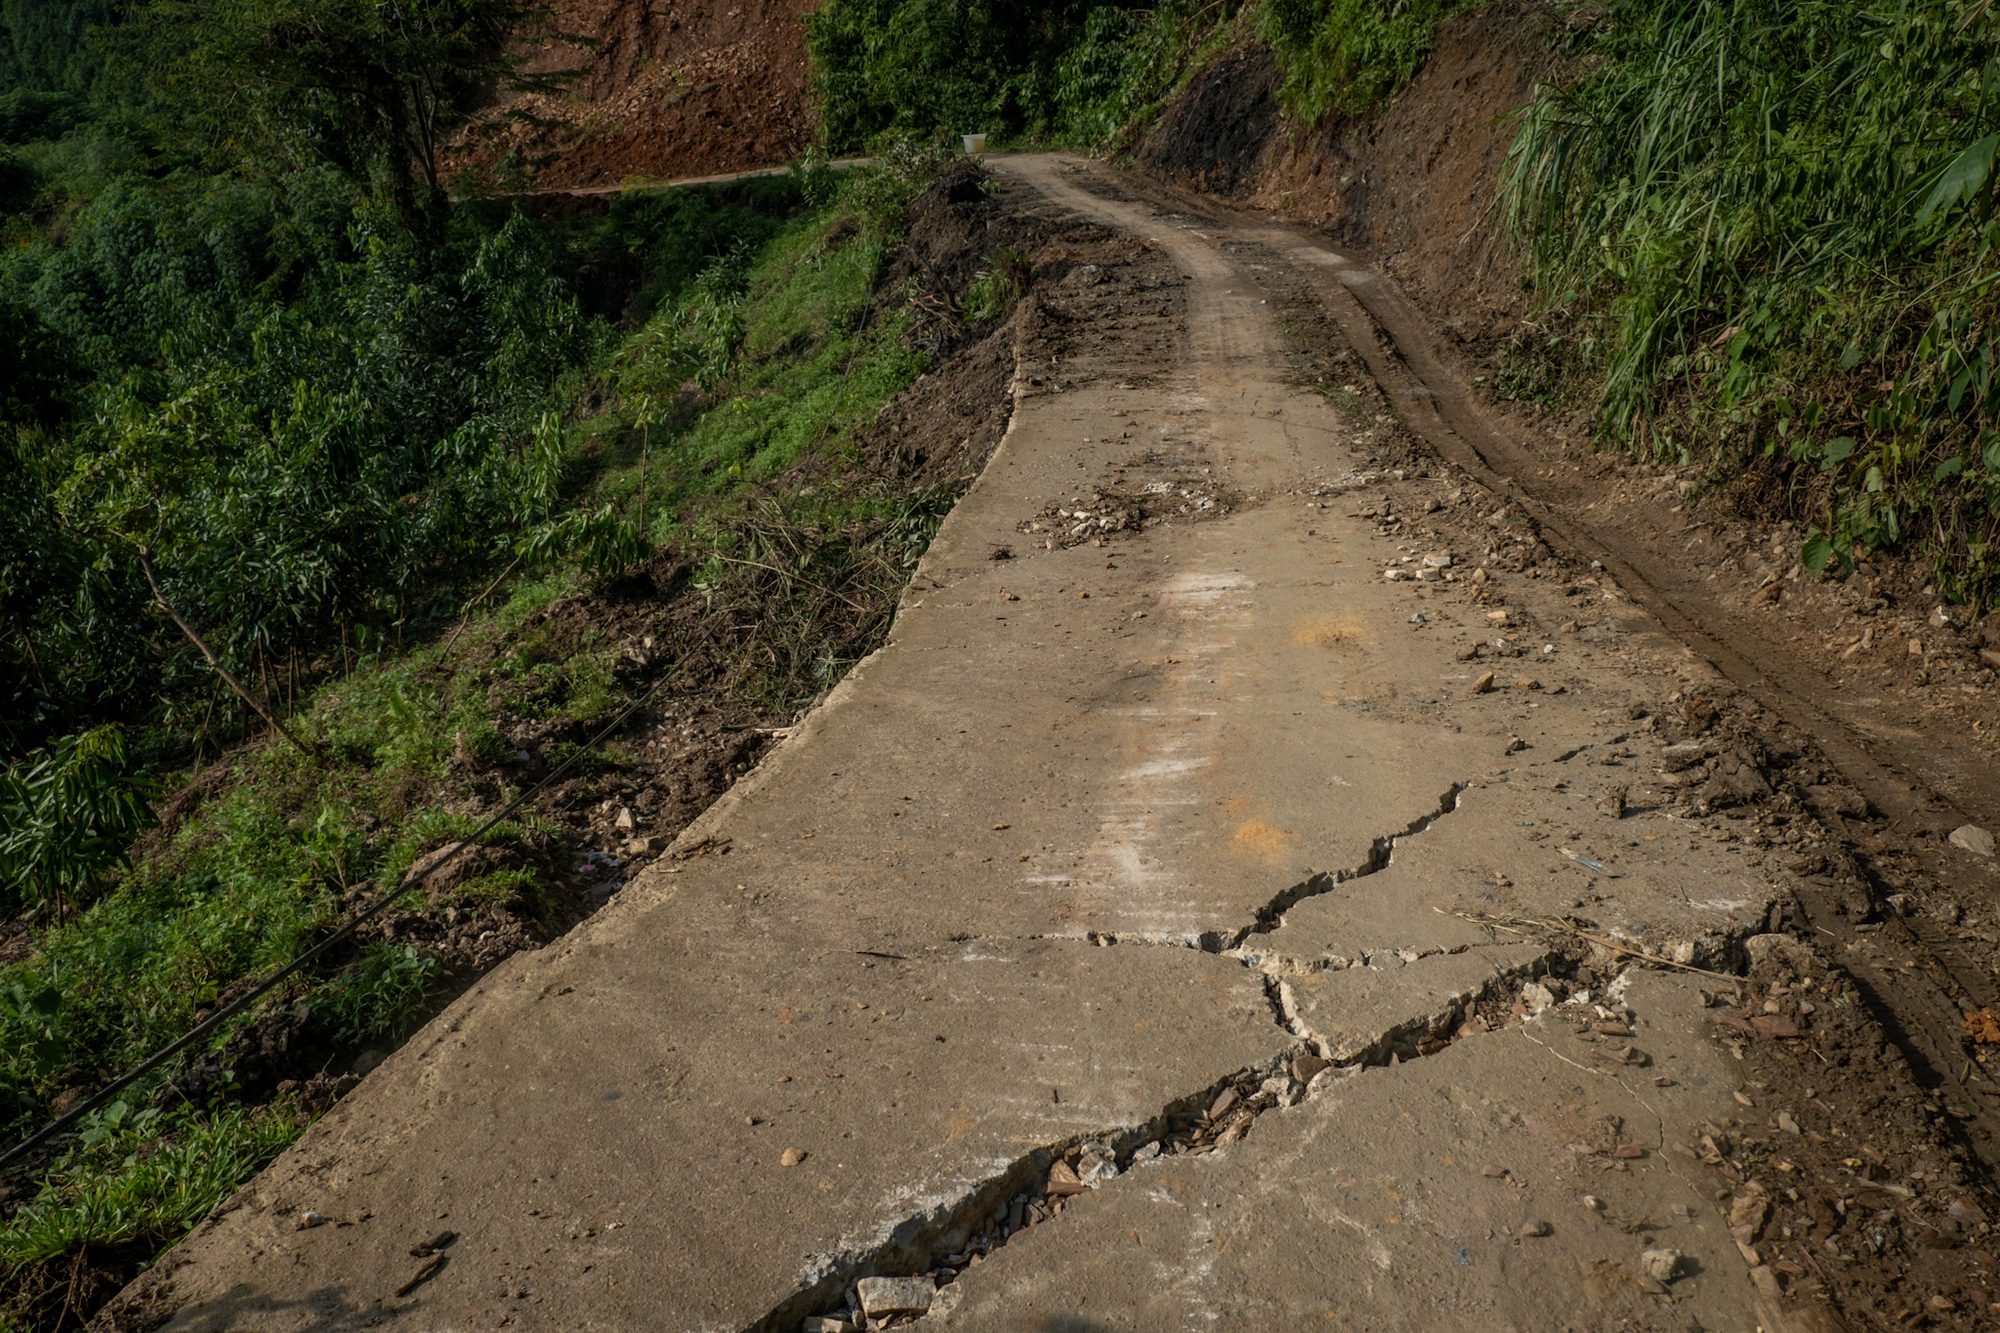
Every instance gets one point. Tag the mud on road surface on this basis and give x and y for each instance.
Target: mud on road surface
(1272, 876)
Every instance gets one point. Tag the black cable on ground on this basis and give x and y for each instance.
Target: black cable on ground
(242, 1002)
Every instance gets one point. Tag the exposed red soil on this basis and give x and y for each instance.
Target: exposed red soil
(670, 89)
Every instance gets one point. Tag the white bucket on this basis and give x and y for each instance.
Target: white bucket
(974, 143)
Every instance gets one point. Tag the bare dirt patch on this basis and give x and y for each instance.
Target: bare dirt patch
(669, 91)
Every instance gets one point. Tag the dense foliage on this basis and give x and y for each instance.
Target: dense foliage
(1771, 229)
(1348, 56)
(1067, 72)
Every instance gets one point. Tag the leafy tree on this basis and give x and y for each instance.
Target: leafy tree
(67, 815)
(366, 85)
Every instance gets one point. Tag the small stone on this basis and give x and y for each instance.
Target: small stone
(1306, 1064)
(1535, 1226)
(1493, 1171)
(1484, 685)
(1395, 575)
(1567, 627)
(826, 1324)
(1438, 560)
(1612, 1029)
(1972, 838)
(1497, 618)
(792, 1157)
(885, 1296)
(1612, 803)
(647, 846)
(1686, 755)
(1222, 1103)
(1966, 1210)
(311, 1218)
(1467, 652)
(1063, 1182)
(1742, 1099)
(1419, 618)
(1788, 1124)
(1747, 1213)
(1537, 997)
(1527, 683)
(1093, 1169)
(1628, 1151)
(1942, 1303)
(1766, 1281)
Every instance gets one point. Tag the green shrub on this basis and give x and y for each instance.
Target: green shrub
(1349, 56)
(377, 993)
(67, 815)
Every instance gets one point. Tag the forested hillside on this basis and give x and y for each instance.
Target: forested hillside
(343, 501)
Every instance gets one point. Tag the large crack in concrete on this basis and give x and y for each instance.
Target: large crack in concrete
(984, 1215)
(957, 1229)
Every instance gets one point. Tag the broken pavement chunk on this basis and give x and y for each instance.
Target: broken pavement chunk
(1063, 1182)
(885, 1296)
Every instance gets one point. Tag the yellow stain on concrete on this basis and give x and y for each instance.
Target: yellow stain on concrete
(1345, 631)
(1264, 839)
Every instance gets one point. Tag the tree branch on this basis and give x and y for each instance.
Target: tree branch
(214, 661)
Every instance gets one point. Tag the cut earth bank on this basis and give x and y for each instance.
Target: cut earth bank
(1245, 935)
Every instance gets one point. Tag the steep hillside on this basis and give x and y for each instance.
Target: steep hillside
(1416, 188)
(666, 90)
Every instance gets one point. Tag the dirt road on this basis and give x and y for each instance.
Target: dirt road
(1212, 909)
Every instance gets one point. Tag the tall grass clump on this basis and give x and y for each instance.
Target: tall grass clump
(1770, 229)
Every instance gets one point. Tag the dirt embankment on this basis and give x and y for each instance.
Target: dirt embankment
(669, 89)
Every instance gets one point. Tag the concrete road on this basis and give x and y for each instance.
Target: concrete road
(1106, 834)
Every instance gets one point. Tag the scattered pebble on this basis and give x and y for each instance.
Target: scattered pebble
(792, 1157)
(1660, 1265)
(885, 1296)
(1972, 838)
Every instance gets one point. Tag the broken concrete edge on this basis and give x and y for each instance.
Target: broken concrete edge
(1441, 1024)
(907, 1247)
(1271, 916)
(706, 825)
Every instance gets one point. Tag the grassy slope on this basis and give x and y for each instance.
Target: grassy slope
(258, 870)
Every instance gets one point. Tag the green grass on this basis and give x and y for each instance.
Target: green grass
(1767, 234)
(260, 871)
(131, 1180)
(1349, 56)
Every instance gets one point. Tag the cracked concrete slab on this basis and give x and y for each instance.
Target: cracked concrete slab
(975, 908)
(1409, 1198)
